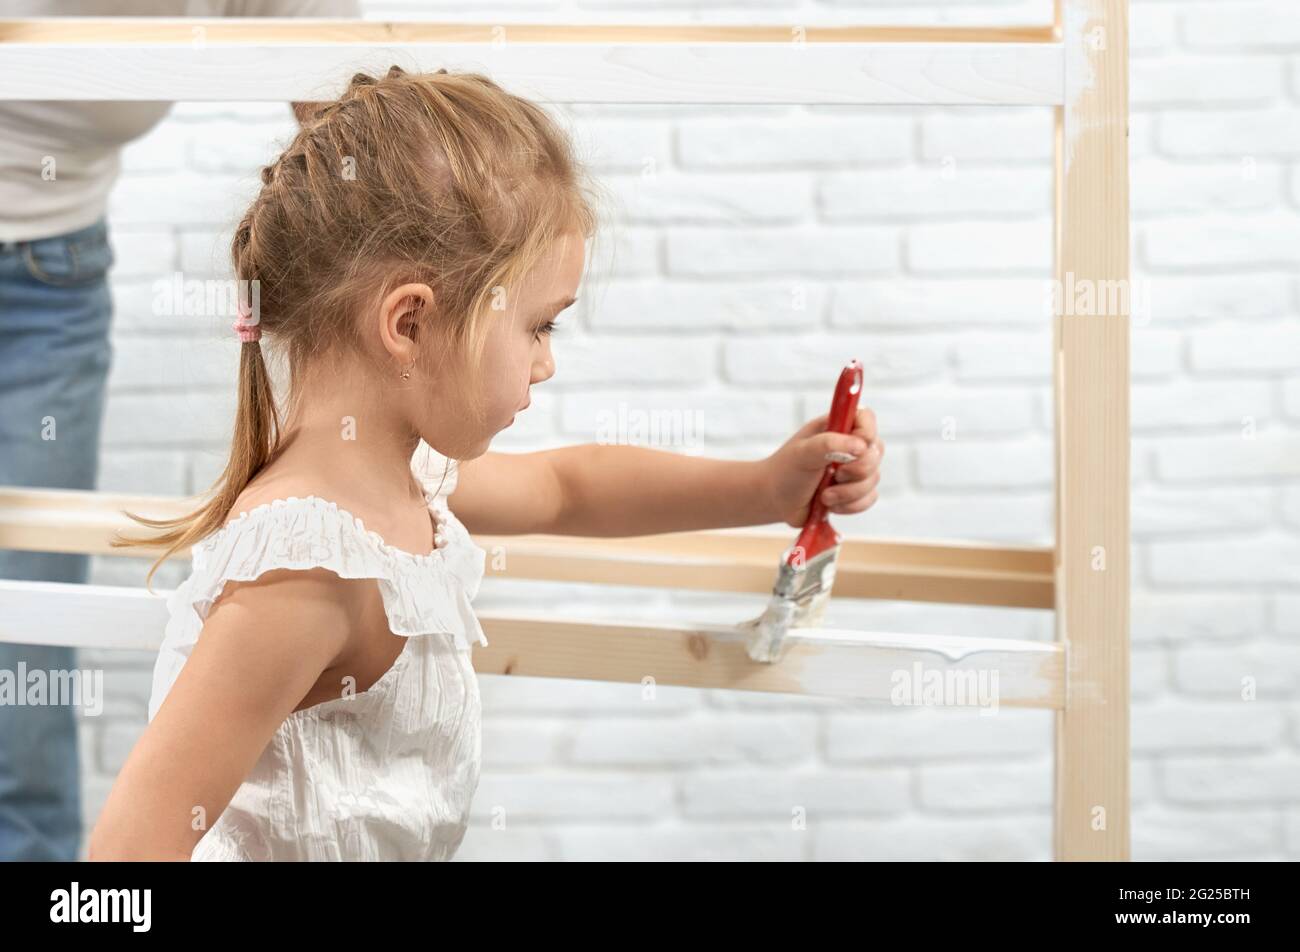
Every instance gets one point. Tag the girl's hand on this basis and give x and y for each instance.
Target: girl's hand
(793, 472)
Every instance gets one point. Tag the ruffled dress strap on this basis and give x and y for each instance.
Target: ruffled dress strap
(422, 594)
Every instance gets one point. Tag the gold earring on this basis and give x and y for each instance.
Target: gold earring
(406, 374)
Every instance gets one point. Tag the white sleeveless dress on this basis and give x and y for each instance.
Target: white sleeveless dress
(388, 773)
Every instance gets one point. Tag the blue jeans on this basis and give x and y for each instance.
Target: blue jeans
(55, 312)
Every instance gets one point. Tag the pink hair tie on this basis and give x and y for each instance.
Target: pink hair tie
(245, 326)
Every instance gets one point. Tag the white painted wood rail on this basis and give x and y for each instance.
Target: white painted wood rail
(1078, 65)
(286, 60)
(825, 662)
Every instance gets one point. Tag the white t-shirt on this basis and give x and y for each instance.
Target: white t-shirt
(85, 139)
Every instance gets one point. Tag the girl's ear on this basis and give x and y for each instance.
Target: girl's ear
(406, 307)
(408, 325)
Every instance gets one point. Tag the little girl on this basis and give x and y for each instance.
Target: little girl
(314, 696)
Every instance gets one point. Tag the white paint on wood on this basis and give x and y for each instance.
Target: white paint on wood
(825, 662)
(673, 73)
(1079, 79)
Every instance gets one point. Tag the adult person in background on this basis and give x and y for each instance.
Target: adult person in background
(58, 162)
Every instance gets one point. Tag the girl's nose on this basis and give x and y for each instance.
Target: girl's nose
(543, 369)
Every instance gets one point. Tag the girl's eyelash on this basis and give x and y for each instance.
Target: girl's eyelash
(547, 328)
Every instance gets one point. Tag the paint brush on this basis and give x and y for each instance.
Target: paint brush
(807, 569)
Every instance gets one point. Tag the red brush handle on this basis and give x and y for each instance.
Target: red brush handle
(817, 535)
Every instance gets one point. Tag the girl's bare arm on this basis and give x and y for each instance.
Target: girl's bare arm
(262, 648)
(595, 489)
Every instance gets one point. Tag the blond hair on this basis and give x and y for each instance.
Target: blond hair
(454, 183)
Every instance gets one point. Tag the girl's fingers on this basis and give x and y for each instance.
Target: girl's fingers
(859, 505)
(814, 426)
(843, 448)
(862, 467)
(870, 436)
(842, 493)
(859, 469)
(866, 423)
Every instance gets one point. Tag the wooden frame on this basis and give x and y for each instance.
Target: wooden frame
(269, 60)
(1078, 65)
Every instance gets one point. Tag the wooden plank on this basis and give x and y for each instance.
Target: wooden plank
(966, 573)
(951, 572)
(297, 60)
(187, 31)
(980, 672)
(1091, 385)
(821, 662)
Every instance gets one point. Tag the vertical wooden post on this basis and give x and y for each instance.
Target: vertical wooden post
(1091, 397)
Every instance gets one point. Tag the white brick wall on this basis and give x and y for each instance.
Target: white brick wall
(751, 252)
